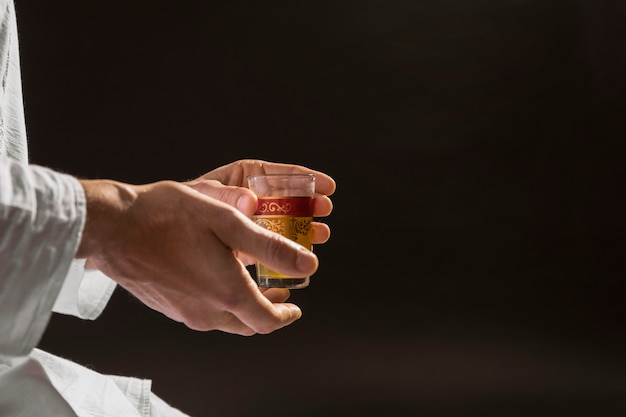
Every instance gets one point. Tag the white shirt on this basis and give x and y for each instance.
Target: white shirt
(42, 215)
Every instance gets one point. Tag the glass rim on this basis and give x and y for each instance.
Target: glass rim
(281, 175)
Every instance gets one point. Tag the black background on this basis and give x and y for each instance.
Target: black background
(477, 262)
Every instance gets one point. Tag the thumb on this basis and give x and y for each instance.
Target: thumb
(241, 198)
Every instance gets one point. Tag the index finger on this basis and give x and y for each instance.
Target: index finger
(247, 303)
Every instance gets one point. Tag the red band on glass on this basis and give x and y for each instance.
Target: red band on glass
(292, 206)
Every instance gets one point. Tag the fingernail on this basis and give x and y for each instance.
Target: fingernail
(307, 261)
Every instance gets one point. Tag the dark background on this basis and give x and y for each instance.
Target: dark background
(477, 263)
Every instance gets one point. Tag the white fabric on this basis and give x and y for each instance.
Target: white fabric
(90, 393)
(41, 218)
(12, 128)
(42, 215)
(84, 293)
(26, 391)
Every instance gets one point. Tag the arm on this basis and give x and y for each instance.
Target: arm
(180, 248)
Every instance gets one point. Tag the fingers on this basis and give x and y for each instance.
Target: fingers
(323, 206)
(248, 320)
(239, 233)
(245, 201)
(276, 295)
(257, 312)
(236, 173)
(282, 315)
(242, 297)
(280, 253)
(320, 233)
(236, 305)
(230, 323)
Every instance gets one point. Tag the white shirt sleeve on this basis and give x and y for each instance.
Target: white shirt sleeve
(42, 214)
(85, 292)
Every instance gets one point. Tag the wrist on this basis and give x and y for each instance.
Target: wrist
(107, 202)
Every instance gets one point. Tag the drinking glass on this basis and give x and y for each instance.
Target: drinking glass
(285, 206)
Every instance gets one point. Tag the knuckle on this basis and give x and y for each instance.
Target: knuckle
(226, 194)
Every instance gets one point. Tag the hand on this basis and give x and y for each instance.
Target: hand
(222, 183)
(175, 249)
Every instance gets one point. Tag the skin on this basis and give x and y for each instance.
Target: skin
(182, 247)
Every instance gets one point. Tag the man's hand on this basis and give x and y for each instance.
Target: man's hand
(182, 249)
(224, 183)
